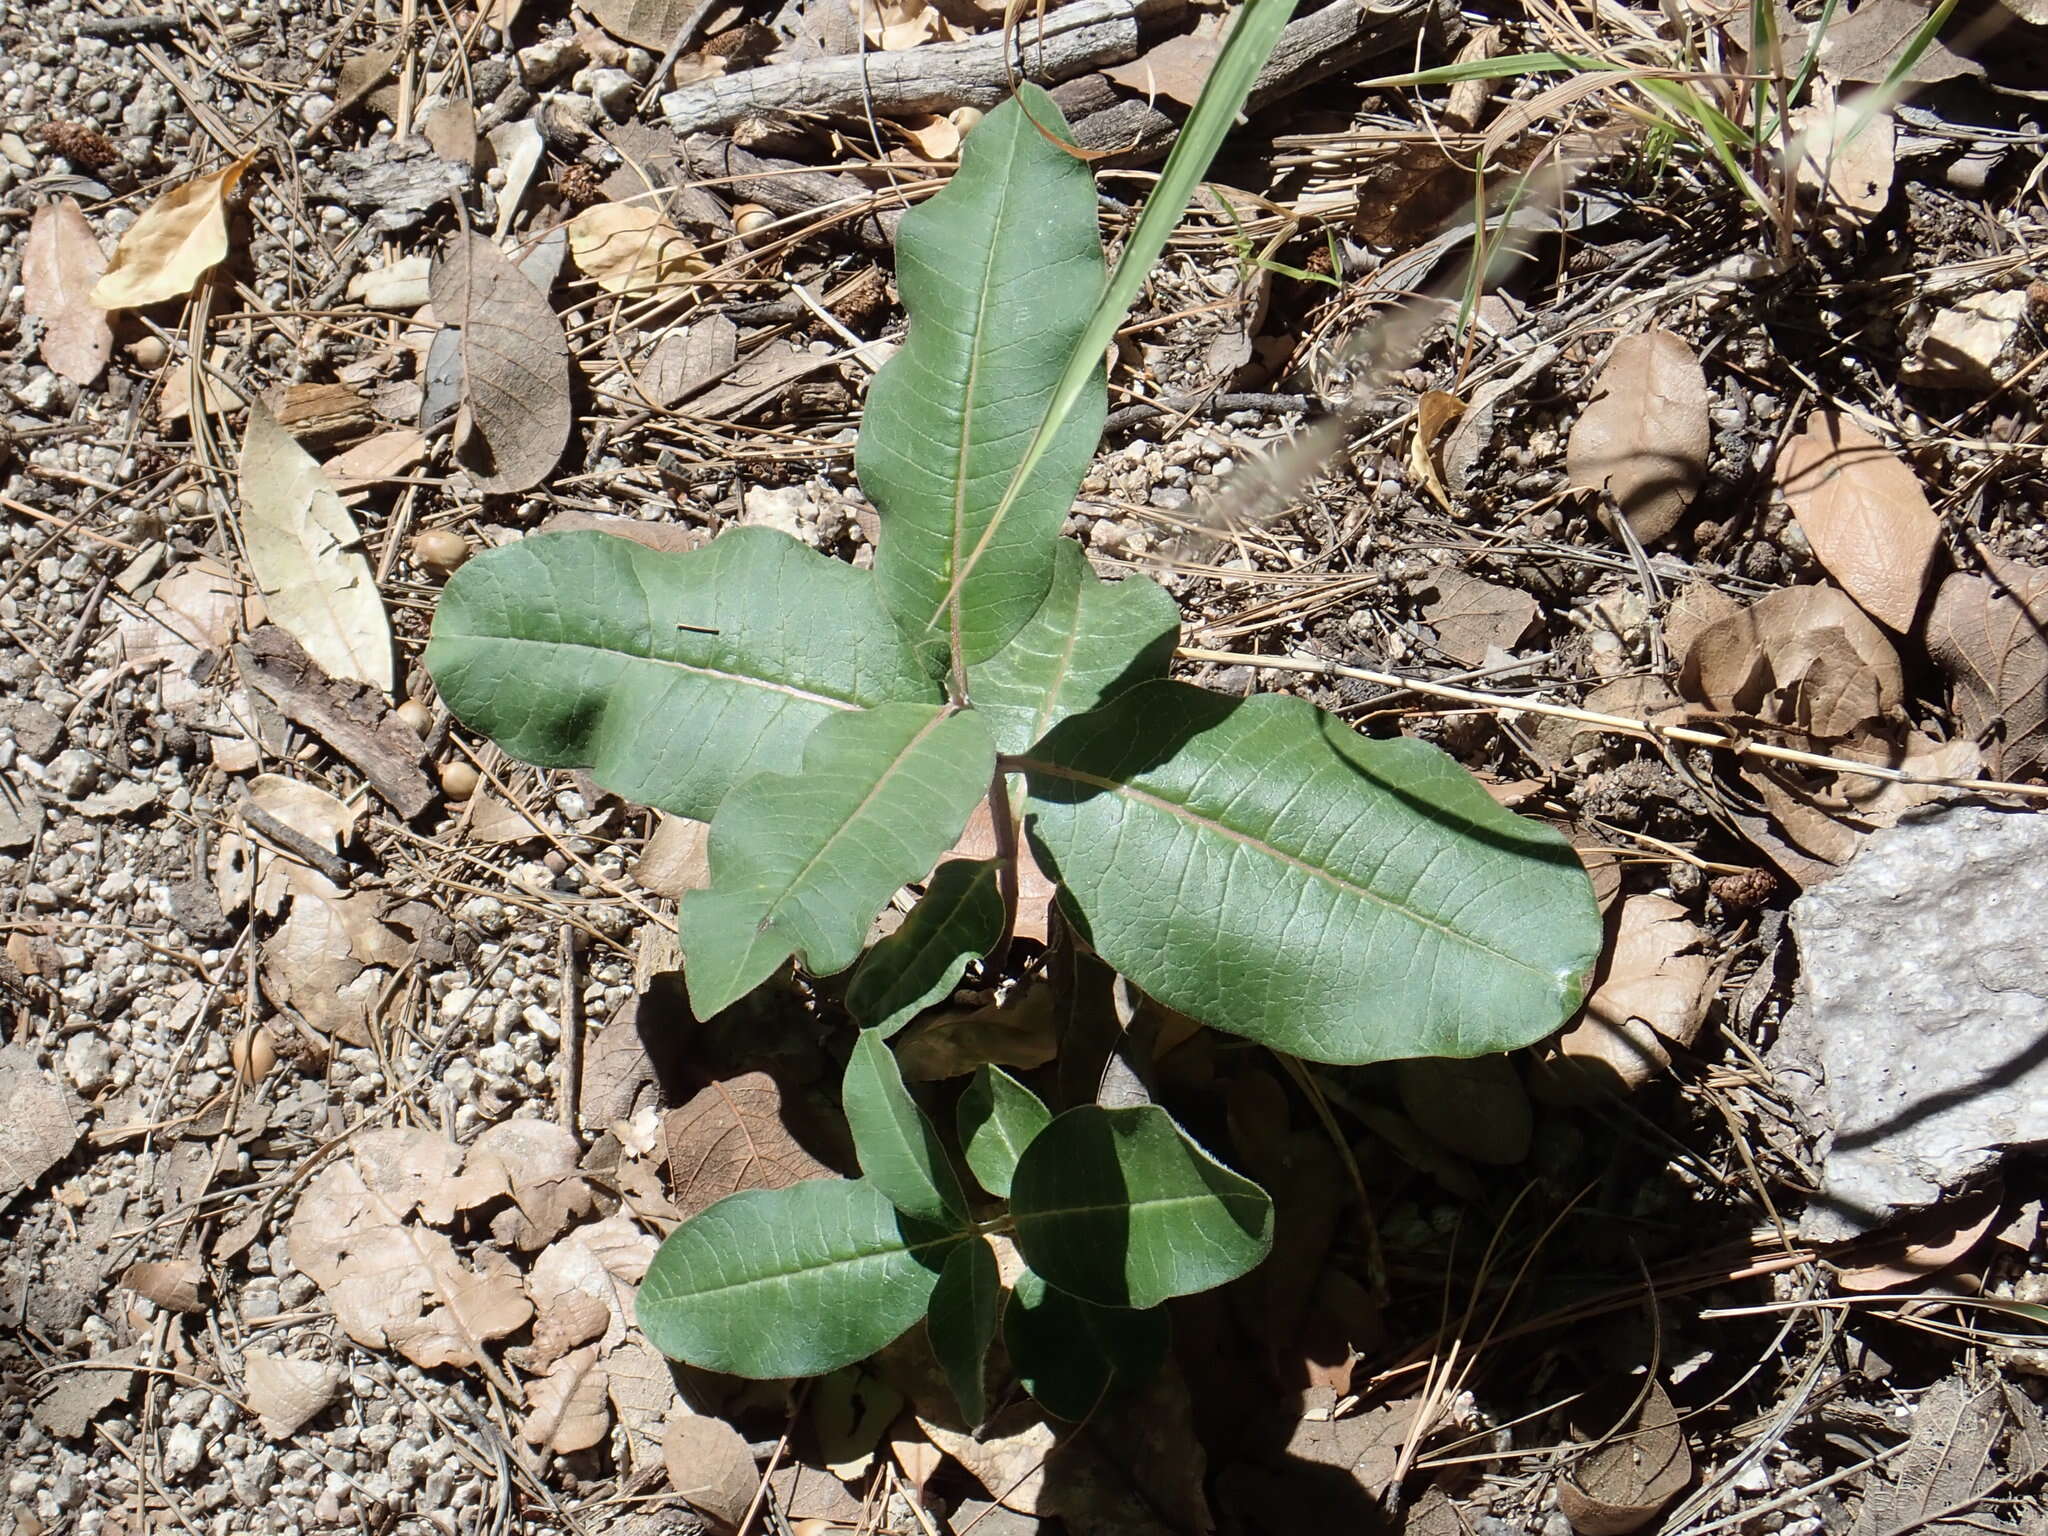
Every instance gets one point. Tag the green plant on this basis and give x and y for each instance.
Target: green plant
(1253, 863)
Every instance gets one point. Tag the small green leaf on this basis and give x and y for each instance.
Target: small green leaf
(959, 919)
(1118, 1207)
(1260, 866)
(998, 1118)
(1089, 640)
(962, 1323)
(899, 1151)
(565, 649)
(791, 1282)
(1070, 1355)
(801, 863)
(998, 273)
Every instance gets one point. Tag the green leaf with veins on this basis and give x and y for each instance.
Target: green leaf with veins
(999, 273)
(899, 1151)
(567, 650)
(965, 1307)
(1265, 869)
(1090, 640)
(799, 1281)
(998, 1117)
(1071, 1355)
(958, 920)
(801, 863)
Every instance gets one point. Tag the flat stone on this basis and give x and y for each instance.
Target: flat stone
(1916, 1043)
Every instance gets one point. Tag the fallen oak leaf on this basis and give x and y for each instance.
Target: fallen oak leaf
(286, 1394)
(1989, 636)
(710, 1466)
(1801, 657)
(1637, 1468)
(61, 261)
(1863, 513)
(733, 1135)
(568, 1409)
(179, 238)
(515, 410)
(1653, 991)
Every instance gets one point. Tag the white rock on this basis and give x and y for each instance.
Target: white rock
(547, 60)
(184, 1449)
(777, 507)
(88, 1062)
(402, 285)
(1975, 344)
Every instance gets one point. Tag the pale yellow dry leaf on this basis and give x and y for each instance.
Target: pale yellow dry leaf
(1655, 990)
(535, 1162)
(1864, 515)
(933, 136)
(1645, 434)
(307, 557)
(285, 1394)
(178, 239)
(1845, 156)
(194, 610)
(568, 1410)
(1802, 657)
(61, 260)
(629, 248)
(387, 456)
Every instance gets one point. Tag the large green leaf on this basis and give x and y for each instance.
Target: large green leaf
(1260, 866)
(959, 919)
(1118, 1207)
(965, 1307)
(801, 863)
(1089, 640)
(1070, 1355)
(791, 1282)
(998, 1118)
(565, 650)
(899, 1151)
(999, 273)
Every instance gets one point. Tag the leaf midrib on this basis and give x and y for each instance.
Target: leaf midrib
(1280, 855)
(715, 674)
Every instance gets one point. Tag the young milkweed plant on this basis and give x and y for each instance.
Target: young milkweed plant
(1253, 863)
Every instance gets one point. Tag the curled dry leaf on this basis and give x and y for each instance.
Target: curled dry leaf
(1655, 989)
(1989, 636)
(287, 1394)
(709, 1464)
(1645, 434)
(60, 262)
(731, 1136)
(1020, 1033)
(177, 241)
(568, 1410)
(1864, 514)
(532, 1161)
(172, 1283)
(934, 137)
(1924, 1244)
(514, 363)
(307, 557)
(1829, 815)
(1634, 1471)
(629, 248)
(1801, 657)
(1177, 68)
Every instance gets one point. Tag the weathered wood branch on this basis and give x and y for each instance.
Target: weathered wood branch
(936, 77)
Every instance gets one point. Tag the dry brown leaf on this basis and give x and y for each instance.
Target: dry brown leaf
(1829, 815)
(515, 414)
(1020, 1033)
(1846, 157)
(1867, 45)
(387, 456)
(1434, 413)
(1655, 988)
(628, 248)
(1477, 1106)
(894, 25)
(688, 358)
(72, 1400)
(677, 857)
(61, 260)
(1034, 891)
(534, 1163)
(650, 23)
(709, 1464)
(194, 611)
(37, 1130)
(643, 1392)
(1644, 435)
(567, 1408)
(731, 1136)
(286, 1394)
(1989, 635)
(307, 557)
(1863, 513)
(1473, 617)
(582, 1285)
(393, 1282)
(1177, 69)
(1801, 657)
(1007, 1457)
(179, 238)
(1621, 1485)
(1925, 1243)
(932, 136)
(172, 1283)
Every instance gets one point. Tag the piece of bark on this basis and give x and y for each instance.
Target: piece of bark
(350, 717)
(937, 77)
(787, 189)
